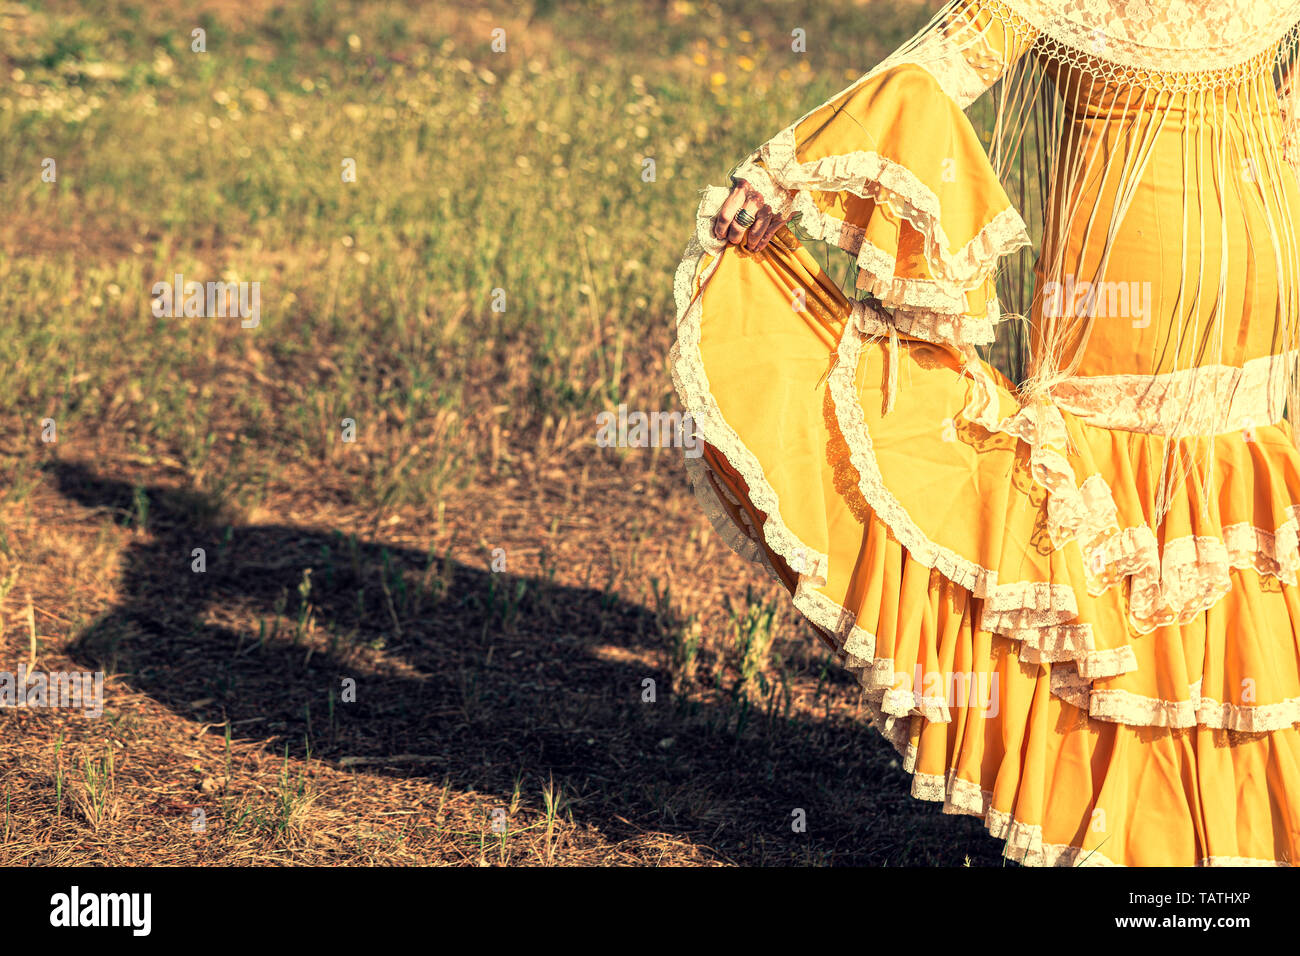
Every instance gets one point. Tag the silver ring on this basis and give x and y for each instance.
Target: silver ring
(744, 218)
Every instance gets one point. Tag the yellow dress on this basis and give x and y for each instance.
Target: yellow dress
(1071, 602)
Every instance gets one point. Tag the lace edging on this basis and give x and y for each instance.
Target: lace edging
(1166, 588)
(692, 386)
(1040, 616)
(936, 308)
(872, 176)
(1126, 707)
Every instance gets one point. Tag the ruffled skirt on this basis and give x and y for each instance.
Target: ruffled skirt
(1098, 685)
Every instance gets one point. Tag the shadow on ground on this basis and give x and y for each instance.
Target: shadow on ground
(486, 679)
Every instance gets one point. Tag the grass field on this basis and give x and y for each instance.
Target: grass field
(499, 272)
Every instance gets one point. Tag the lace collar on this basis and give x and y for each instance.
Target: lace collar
(1173, 36)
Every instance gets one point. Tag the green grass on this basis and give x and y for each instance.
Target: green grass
(482, 178)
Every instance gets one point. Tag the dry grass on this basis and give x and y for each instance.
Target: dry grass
(499, 716)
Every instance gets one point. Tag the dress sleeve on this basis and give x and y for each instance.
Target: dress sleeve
(892, 171)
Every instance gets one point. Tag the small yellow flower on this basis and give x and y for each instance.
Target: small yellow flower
(718, 79)
(745, 63)
(745, 36)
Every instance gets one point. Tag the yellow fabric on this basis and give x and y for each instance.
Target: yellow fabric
(1205, 165)
(1127, 599)
(1125, 794)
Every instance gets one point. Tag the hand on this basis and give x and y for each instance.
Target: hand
(759, 233)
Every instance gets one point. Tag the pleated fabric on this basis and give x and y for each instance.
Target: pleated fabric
(1071, 603)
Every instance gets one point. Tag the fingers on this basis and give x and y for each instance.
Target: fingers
(723, 220)
(773, 224)
(762, 219)
(736, 234)
(759, 233)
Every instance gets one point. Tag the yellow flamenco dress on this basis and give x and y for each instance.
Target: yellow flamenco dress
(1071, 600)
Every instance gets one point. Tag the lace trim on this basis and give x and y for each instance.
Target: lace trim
(740, 538)
(962, 70)
(1040, 616)
(1126, 707)
(936, 307)
(878, 676)
(1023, 842)
(1193, 572)
(692, 386)
(1035, 604)
(1207, 400)
(1166, 37)
(880, 179)
(959, 331)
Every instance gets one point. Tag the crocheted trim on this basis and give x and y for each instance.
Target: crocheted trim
(1040, 616)
(932, 308)
(1180, 38)
(1206, 400)
(692, 384)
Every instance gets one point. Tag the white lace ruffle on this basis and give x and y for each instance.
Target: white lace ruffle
(873, 176)
(1206, 400)
(1024, 842)
(1173, 36)
(935, 309)
(1191, 575)
(1126, 707)
(1169, 587)
(692, 384)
